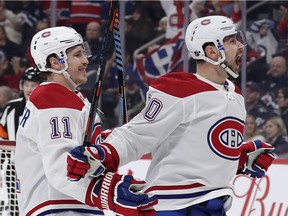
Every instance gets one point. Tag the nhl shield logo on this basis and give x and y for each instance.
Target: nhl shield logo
(226, 136)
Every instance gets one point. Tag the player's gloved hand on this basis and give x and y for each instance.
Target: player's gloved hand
(255, 158)
(101, 158)
(77, 164)
(121, 194)
(91, 160)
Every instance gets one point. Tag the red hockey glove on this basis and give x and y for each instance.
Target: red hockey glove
(121, 194)
(77, 164)
(255, 158)
(91, 160)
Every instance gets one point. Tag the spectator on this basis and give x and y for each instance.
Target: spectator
(278, 78)
(6, 95)
(282, 27)
(62, 11)
(83, 12)
(109, 95)
(10, 48)
(236, 14)
(8, 76)
(175, 15)
(30, 13)
(14, 6)
(261, 38)
(109, 100)
(251, 130)
(93, 37)
(216, 7)
(276, 135)
(134, 96)
(11, 23)
(141, 32)
(42, 24)
(282, 102)
(153, 10)
(255, 106)
(162, 27)
(199, 8)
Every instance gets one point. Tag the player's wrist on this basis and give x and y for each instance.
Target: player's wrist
(111, 160)
(106, 193)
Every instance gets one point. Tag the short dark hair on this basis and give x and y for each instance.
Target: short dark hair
(48, 65)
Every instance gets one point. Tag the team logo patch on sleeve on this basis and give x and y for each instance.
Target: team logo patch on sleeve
(226, 136)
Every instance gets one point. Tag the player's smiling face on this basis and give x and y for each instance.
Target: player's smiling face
(233, 52)
(77, 64)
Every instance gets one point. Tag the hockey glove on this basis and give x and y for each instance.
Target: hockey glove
(77, 164)
(121, 194)
(255, 158)
(92, 160)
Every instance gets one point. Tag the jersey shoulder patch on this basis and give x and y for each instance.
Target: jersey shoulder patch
(53, 95)
(181, 84)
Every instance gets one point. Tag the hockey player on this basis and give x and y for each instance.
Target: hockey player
(53, 123)
(9, 122)
(193, 126)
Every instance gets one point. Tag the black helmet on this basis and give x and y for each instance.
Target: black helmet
(31, 74)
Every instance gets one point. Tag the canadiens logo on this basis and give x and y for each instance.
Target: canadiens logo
(226, 136)
(206, 22)
(46, 34)
(96, 134)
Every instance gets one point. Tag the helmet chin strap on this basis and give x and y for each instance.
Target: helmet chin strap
(221, 62)
(66, 75)
(228, 70)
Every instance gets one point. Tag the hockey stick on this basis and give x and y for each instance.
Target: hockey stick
(100, 71)
(123, 118)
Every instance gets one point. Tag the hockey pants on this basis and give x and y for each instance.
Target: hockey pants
(212, 207)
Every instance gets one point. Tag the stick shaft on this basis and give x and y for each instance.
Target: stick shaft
(120, 69)
(100, 71)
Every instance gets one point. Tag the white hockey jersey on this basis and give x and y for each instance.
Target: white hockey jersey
(194, 129)
(53, 123)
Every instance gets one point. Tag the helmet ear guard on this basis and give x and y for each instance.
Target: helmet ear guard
(210, 29)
